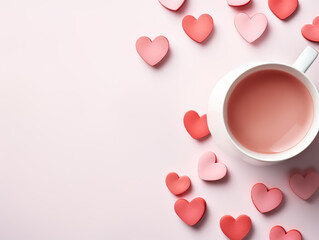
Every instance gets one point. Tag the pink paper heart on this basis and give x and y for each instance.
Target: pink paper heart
(304, 186)
(265, 199)
(152, 52)
(209, 169)
(279, 233)
(251, 28)
(237, 3)
(173, 5)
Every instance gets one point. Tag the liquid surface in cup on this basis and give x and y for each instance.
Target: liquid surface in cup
(270, 111)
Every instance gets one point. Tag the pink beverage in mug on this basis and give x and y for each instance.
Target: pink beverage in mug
(270, 111)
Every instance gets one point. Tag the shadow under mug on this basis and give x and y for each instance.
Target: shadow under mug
(217, 111)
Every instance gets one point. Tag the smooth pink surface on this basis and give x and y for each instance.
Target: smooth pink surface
(283, 8)
(198, 29)
(251, 28)
(279, 233)
(177, 185)
(304, 186)
(264, 199)
(270, 111)
(88, 132)
(154, 51)
(190, 212)
(311, 31)
(235, 229)
(173, 5)
(237, 3)
(209, 169)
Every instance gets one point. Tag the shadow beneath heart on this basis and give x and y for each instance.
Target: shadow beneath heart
(202, 222)
(250, 235)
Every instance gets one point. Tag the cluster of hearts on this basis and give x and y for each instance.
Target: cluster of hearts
(263, 198)
(250, 28)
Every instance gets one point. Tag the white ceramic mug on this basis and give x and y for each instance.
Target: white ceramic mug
(217, 110)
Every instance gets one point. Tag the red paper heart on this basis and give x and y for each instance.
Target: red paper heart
(283, 8)
(198, 30)
(190, 212)
(235, 229)
(172, 5)
(279, 233)
(311, 31)
(265, 199)
(304, 186)
(152, 52)
(177, 185)
(195, 125)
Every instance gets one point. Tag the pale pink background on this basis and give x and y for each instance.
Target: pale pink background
(88, 131)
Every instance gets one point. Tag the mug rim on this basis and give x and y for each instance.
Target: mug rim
(304, 142)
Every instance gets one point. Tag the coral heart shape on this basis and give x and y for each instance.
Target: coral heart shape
(304, 186)
(279, 233)
(251, 28)
(209, 169)
(200, 29)
(172, 5)
(195, 125)
(283, 8)
(190, 212)
(177, 185)
(152, 52)
(311, 31)
(238, 3)
(264, 199)
(235, 229)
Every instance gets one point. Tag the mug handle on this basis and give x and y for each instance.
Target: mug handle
(305, 59)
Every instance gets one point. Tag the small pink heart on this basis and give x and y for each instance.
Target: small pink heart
(251, 28)
(152, 52)
(279, 233)
(209, 169)
(304, 186)
(265, 199)
(172, 5)
(238, 3)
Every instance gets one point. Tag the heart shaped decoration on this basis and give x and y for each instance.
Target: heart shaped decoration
(235, 229)
(209, 169)
(172, 5)
(283, 8)
(279, 233)
(264, 199)
(200, 29)
(195, 125)
(311, 31)
(304, 186)
(251, 28)
(238, 3)
(152, 52)
(177, 185)
(190, 212)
